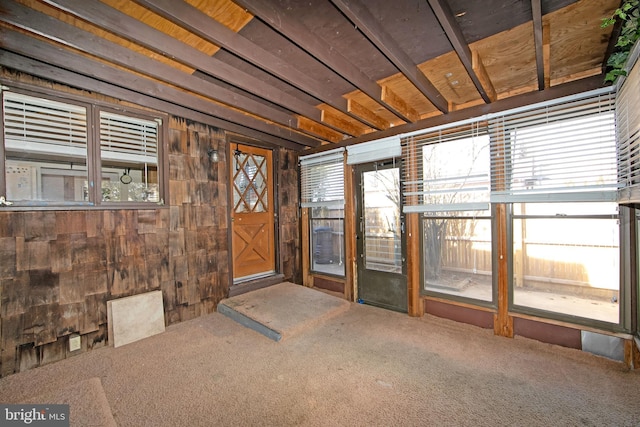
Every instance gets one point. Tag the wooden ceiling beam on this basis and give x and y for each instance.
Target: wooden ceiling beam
(546, 53)
(362, 111)
(320, 130)
(558, 91)
(536, 11)
(321, 50)
(453, 32)
(59, 75)
(483, 76)
(40, 23)
(367, 24)
(135, 31)
(331, 117)
(45, 52)
(192, 19)
(391, 98)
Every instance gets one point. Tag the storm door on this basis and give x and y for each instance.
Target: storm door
(381, 266)
(252, 213)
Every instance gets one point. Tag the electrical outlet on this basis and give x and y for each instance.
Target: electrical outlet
(75, 343)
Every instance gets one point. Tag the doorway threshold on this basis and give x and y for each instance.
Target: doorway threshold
(252, 284)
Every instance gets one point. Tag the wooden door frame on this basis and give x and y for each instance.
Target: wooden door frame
(231, 140)
(348, 281)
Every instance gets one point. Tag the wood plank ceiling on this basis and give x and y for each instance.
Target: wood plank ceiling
(304, 74)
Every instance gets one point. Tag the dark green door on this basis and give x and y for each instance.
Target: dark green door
(381, 267)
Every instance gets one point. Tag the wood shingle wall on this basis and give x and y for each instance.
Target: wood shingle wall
(58, 268)
(288, 194)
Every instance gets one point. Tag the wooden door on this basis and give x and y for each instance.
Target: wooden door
(252, 214)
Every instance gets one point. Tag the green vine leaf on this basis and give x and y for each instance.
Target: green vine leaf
(629, 15)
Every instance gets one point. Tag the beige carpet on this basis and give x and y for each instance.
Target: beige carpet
(88, 405)
(363, 367)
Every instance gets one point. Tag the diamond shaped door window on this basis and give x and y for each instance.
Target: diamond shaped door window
(250, 193)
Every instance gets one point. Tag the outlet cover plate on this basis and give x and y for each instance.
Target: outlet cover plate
(75, 343)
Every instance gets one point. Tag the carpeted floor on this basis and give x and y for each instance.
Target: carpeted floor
(363, 367)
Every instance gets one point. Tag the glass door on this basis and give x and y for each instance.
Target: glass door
(381, 266)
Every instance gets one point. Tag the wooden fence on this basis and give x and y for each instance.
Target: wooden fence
(590, 276)
(473, 256)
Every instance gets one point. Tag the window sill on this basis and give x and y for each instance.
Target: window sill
(584, 324)
(462, 302)
(83, 207)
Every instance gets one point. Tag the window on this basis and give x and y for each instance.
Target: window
(566, 259)
(457, 254)
(628, 135)
(556, 167)
(557, 153)
(250, 183)
(447, 181)
(322, 178)
(128, 150)
(381, 219)
(628, 141)
(327, 241)
(45, 144)
(635, 262)
(52, 156)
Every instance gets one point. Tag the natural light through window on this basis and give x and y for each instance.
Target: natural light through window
(566, 258)
(456, 218)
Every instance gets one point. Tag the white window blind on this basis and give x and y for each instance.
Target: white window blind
(372, 151)
(628, 137)
(128, 139)
(561, 152)
(43, 126)
(447, 170)
(322, 179)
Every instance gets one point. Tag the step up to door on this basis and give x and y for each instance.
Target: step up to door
(282, 310)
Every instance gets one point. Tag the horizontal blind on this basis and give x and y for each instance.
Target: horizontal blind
(44, 126)
(628, 136)
(128, 139)
(560, 152)
(372, 151)
(322, 179)
(447, 170)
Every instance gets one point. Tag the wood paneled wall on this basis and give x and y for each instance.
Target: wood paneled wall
(59, 268)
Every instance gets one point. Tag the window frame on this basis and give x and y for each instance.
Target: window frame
(334, 160)
(93, 156)
(502, 233)
(526, 129)
(414, 182)
(415, 190)
(601, 102)
(618, 326)
(461, 215)
(312, 244)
